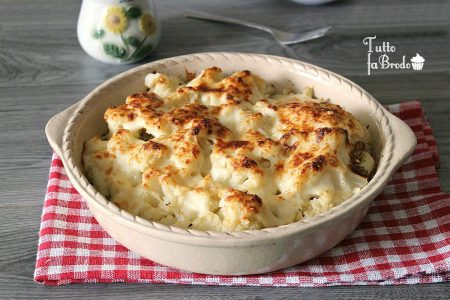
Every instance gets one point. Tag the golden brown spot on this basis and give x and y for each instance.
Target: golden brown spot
(153, 146)
(300, 157)
(279, 166)
(273, 107)
(234, 87)
(252, 203)
(332, 160)
(195, 152)
(187, 113)
(285, 139)
(351, 124)
(146, 103)
(231, 144)
(321, 132)
(196, 130)
(103, 155)
(269, 105)
(162, 79)
(208, 126)
(303, 114)
(143, 97)
(318, 163)
(131, 116)
(248, 163)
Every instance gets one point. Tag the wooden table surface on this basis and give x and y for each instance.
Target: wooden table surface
(43, 70)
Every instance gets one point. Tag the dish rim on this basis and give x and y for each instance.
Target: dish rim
(394, 154)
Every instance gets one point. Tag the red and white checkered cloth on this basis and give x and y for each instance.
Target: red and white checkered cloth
(404, 239)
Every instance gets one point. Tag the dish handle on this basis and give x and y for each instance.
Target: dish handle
(54, 130)
(405, 141)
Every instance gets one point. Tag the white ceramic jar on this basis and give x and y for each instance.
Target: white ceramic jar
(118, 31)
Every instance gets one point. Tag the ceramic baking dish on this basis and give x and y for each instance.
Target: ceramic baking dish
(231, 253)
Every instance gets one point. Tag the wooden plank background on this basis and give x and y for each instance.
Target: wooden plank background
(43, 70)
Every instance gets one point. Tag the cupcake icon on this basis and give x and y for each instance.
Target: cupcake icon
(417, 62)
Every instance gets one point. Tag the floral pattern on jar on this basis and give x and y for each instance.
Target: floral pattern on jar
(118, 31)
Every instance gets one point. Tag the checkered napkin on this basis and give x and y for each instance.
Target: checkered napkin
(404, 239)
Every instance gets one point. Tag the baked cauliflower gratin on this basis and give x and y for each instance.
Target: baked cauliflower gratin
(227, 153)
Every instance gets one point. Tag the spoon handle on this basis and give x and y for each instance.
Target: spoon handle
(212, 17)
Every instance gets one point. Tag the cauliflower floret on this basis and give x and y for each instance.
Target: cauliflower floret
(161, 84)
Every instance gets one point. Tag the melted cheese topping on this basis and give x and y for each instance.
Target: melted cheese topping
(227, 154)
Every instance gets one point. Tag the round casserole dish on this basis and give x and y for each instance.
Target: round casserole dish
(231, 253)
